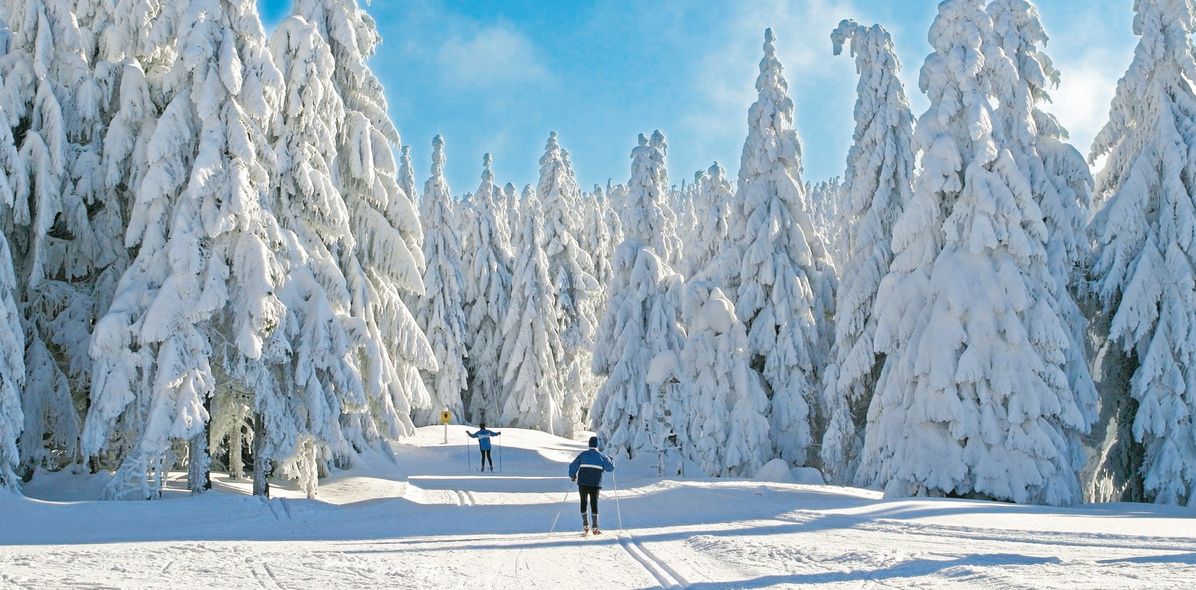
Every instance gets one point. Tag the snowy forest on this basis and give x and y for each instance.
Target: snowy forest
(215, 254)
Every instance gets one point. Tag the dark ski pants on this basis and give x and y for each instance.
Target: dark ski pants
(590, 493)
(486, 457)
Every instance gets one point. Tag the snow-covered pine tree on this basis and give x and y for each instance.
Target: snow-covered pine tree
(204, 240)
(642, 318)
(783, 279)
(1062, 186)
(532, 347)
(511, 214)
(52, 105)
(605, 232)
(877, 185)
(647, 212)
(387, 262)
(716, 199)
(570, 269)
(487, 271)
(728, 429)
(134, 48)
(1144, 252)
(828, 216)
(12, 363)
(321, 375)
(441, 310)
(973, 399)
(407, 178)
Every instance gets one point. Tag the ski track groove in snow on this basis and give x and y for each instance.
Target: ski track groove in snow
(943, 531)
(665, 575)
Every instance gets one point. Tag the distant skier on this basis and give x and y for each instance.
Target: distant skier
(587, 470)
(483, 437)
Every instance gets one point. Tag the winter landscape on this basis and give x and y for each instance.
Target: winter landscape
(251, 334)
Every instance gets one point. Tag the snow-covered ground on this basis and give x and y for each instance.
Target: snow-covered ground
(425, 521)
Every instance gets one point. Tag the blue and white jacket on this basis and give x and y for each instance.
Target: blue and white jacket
(587, 468)
(483, 437)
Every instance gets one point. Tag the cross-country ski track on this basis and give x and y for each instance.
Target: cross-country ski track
(424, 520)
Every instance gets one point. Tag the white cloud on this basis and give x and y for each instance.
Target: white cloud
(725, 76)
(488, 56)
(1081, 102)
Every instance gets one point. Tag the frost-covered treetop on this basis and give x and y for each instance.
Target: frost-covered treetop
(647, 217)
(770, 121)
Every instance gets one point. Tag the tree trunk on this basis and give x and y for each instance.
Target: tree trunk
(261, 463)
(199, 462)
(236, 467)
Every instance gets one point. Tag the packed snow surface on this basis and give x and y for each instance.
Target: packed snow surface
(426, 521)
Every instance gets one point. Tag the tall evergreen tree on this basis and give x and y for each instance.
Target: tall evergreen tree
(487, 295)
(784, 281)
(321, 367)
(441, 309)
(1061, 184)
(973, 399)
(387, 262)
(642, 317)
(878, 183)
(204, 240)
(570, 269)
(532, 349)
(1144, 234)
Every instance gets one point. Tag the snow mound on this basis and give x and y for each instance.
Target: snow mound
(807, 475)
(778, 471)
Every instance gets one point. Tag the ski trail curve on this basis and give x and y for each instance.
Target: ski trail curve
(665, 575)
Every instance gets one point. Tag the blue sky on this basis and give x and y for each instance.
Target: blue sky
(498, 76)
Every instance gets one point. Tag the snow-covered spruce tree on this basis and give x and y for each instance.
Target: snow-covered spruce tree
(387, 262)
(879, 179)
(134, 50)
(716, 200)
(1062, 186)
(1143, 263)
(728, 429)
(12, 364)
(828, 216)
(511, 214)
(441, 312)
(642, 318)
(647, 212)
(784, 282)
(51, 106)
(407, 178)
(973, 399)
(604, 233)
(203, 284)
(322, 378)
(570, 269)
(532, 347)
(487, 271)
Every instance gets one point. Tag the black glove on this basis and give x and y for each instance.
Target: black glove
(573, 479)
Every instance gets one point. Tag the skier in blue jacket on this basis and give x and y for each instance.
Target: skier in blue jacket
(483, 437)
(587, 470)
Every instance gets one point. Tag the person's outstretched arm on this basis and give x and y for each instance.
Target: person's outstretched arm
(471, 435)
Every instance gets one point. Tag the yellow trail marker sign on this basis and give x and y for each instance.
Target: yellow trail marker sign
(446, 417)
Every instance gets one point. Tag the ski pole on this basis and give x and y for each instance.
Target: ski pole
(568, 489)
(618, 508)
(468, 461)
(499, 454)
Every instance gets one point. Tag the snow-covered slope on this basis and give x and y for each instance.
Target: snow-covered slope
(425, 520)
